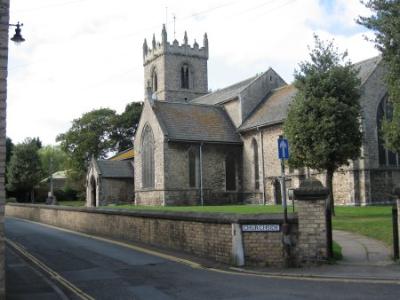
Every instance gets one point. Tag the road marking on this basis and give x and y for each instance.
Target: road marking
(231, 270)
(53, 274)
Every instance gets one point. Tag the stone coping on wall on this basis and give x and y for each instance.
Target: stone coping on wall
(217, 218)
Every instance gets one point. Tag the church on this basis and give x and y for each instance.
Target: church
(194, 147)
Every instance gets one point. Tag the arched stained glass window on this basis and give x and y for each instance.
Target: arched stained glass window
(385, 112)
(147, 158)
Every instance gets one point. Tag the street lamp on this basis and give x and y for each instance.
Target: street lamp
(17, 38)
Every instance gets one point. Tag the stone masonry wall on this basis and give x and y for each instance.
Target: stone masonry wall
(233, 109)
(146, 195)
(4, 21)
(250, 194)
(117, 190)
(205, 235)
(214, 185)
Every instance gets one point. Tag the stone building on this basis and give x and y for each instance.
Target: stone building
(110, 181)
(4, 21)
(197, 147)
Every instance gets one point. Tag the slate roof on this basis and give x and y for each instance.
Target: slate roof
(225, 94)
(367, 67)
(272, 110)
(115, 168)
(195, 122)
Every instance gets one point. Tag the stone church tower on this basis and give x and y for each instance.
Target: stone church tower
(174, 72)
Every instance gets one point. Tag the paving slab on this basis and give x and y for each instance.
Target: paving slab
(362, 250)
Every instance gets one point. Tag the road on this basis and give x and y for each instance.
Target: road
(93, 269)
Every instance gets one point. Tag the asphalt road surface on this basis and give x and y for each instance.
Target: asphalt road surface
(86, 268)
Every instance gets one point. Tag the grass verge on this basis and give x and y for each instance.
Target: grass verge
(239, 209)
(371, 221)
(337, 251)
(72, 203)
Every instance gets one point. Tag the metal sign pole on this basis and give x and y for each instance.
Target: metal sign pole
(283, 191)
(283, 153)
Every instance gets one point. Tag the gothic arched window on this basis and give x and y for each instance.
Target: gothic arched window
(185, 76)
(256, 165)
(154, 82)
(230, 172)
(194, 167)
(385, 112)
(147, 158)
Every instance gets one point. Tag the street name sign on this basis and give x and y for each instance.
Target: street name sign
(261, 227)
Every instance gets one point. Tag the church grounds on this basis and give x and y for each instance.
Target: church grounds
(371, 221)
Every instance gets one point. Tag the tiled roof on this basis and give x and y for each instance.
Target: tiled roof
(367, 67)
(115, 168)
(224, 94)
(273, 110)
(195, 122)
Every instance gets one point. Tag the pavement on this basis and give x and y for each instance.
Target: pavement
(80, 267)
(363, 259)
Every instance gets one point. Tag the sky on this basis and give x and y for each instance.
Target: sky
(81, 55)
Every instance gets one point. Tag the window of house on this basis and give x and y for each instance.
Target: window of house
(230, 172)
(194, 167)
(385, 112)
(185, 76)
(256, 165)
(148, 158)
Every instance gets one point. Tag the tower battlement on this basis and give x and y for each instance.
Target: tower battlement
(164, 47)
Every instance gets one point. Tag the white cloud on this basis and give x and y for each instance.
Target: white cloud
(82, 55)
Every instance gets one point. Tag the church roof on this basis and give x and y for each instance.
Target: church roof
(367, 67)
(272, 110)
(115, 168)
(195, 122)
(225, 94)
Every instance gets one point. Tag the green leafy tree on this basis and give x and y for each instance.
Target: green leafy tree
(52, 159)
(9, 151)
(125, 125)
(322, 125)
(385, 22)
(24, 171)
(89, 136)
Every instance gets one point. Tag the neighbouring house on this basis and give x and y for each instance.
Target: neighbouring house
(193, 147)
(111, 181)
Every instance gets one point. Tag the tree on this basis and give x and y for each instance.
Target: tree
(52, 159)
(89, 136)
(125, 125)
(24, 171)
(385, 22)
(323, 122)
(9, 151)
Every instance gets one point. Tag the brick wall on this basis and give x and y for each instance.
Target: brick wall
(4, 20)
(312, 231)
